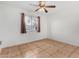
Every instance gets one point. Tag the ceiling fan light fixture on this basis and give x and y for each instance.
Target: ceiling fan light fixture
(42, 6)
(41, 9)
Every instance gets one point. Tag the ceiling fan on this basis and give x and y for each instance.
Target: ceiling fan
(42, 6)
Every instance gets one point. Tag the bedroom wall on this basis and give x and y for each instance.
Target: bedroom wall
(64, 23)
(10, 27)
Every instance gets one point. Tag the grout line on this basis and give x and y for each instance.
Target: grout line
(58, 50)
(72, 52)
(39, 48)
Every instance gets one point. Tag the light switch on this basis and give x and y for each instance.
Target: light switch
(0, 42)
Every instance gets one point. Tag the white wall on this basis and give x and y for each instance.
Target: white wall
(10, 27)
(61, 25)
(64, 24)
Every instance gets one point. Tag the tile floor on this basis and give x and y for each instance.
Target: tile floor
(41, 49)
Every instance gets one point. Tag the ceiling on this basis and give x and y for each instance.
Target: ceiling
(60, 5)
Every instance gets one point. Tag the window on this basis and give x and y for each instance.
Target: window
(31, 23)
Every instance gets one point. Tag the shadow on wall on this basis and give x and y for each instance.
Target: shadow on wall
(65, 26)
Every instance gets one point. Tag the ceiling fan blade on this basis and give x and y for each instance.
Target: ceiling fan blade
(51, 6)
(45, 10)
(37, 9)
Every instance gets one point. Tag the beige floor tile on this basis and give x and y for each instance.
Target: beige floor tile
(75, 53)
(64, 52)
(41, 49)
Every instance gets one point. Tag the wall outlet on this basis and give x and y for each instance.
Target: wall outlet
(0, 42)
